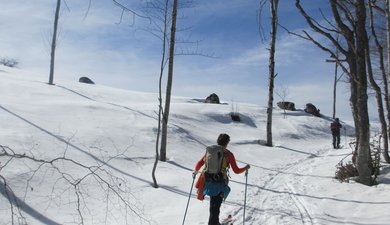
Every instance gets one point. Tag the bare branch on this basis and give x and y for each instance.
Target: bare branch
(126, 9)
(76, 181)
(259, 21)
(334, 30)
(378, 8)
(134, 13)
(317, 29)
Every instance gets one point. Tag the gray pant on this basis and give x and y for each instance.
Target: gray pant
(336, 139)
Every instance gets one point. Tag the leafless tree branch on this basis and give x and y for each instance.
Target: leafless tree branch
(78, 182)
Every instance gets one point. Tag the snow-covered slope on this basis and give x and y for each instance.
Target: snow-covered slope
(92, 131)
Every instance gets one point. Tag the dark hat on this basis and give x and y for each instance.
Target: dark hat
(223, 139)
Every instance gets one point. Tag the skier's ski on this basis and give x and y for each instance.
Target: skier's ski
(227, 221)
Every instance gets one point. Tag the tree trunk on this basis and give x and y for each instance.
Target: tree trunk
(336, 80)
(354, 107)
(381, 114)
(378, 91)
(274, 16)
(363, 157)
(388, 39)
(164, 135)
(334, 90)
(160, 109)
(385, 76)
(54, 43)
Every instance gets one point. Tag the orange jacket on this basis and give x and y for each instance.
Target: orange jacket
(230, 159)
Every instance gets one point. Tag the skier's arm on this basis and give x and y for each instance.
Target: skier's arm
(232, 161)
(199, 164)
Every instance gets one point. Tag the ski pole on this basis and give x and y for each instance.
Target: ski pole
(345, 136)
(246, 185)
(189, 197)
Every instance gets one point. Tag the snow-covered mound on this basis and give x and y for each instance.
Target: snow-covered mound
(80, 153)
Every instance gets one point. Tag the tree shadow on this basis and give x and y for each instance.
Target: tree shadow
(326, 218)
(137, 160)
(200, 100)
(310, 155)
(168, 188)
(247, 120)
(312, 196)
(180, 166)
(384, 180)
(15, 200)
(109, 103)
(383, 177)
(277, 171)
(180, 129)
(248, 142)
(97, 159)
(187, 134)
(75, 92)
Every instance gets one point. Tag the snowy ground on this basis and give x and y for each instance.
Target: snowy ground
(290, 183)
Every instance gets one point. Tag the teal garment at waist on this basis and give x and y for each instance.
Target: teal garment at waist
(215, 188)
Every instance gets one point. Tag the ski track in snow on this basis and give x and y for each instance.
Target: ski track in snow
(301, 206)
(278, 201)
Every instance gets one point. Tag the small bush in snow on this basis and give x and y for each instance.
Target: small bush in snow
(345, 171)
(8, 62)
(235, 116)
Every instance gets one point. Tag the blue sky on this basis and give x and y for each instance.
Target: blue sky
(124, 56)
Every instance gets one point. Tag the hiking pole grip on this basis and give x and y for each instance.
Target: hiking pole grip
(189, 197)
(246, 185)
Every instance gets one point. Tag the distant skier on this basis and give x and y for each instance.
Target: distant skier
(335, 128)
(214, 179)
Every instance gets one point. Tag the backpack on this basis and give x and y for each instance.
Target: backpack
(334, 126)
(214, 158)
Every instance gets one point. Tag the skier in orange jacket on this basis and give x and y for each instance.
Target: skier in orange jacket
(215, 185)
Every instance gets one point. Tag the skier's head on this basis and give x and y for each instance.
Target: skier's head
(223, 140)
(336, 119)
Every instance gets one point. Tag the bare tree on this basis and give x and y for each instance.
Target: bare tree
(160, 108)
(164, 134)
(162, 24)
(376, 87)
(283, 93)
(350, 23)
(271, 63)
(336, 79)
(152, 12)
(54, 42)
(171, 56)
